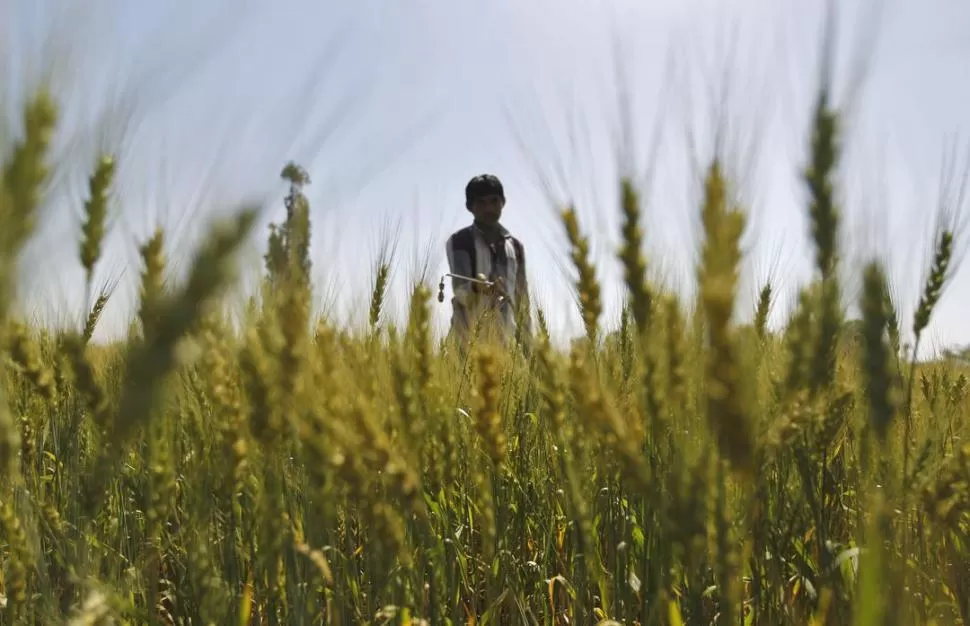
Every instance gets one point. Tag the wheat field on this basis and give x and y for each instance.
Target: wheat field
(679, 469)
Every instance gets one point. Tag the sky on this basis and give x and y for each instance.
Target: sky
(392, 106)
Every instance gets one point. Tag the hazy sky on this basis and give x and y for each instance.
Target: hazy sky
(393, 106)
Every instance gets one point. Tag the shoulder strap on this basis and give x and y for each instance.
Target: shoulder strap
(519, 251)
(464, 240)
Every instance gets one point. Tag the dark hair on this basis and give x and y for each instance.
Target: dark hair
(481, 186)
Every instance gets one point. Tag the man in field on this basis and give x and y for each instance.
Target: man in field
(486, 250)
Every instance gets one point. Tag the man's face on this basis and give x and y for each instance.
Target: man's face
(488, 209)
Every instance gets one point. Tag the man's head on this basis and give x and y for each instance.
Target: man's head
(485, 198)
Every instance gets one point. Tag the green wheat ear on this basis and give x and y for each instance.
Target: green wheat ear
(94, 315)
(378, 294)
(152, 281)
(24, 176)
(151, 362)
(10, 444)
(586, 284)
(762, 311)
(95, 215)
(934, 283)
(718, 276)
(631, 255)
(876, 358)
(489, 419)
(823, 212)
(825, 223)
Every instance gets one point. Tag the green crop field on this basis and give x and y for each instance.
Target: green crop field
(282, 469)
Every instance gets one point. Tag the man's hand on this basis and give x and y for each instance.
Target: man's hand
(499, 290)
(481, 288)
(492, 289)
